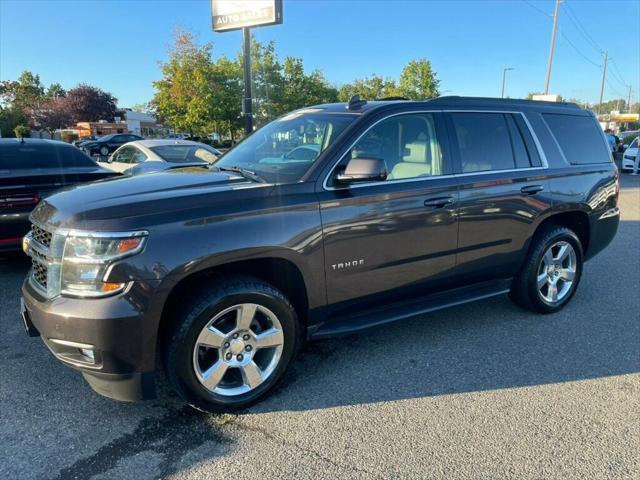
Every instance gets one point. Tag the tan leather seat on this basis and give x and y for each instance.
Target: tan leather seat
(416, 162)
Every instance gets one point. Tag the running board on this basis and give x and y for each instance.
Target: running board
(399, 311)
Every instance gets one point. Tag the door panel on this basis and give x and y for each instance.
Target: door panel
(496, 221)
(503, 192)
(384, 238)
(391, 240)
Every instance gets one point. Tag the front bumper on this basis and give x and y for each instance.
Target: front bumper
(110, 340)
(627, 163)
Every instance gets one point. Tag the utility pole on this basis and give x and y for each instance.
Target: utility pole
(246, 104)
(553, 44)
(629, 101)
(604, 77)
(504, 78)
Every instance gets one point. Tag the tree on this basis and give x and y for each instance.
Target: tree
(226, 79)
(185, 96)
(55, 90)
(25, 93)
(266, 81)
(10, 118)
(418, 81)
(54, 114)
(370, 88)
(301, 89)
(22, 131)
(86, 103)
(143, 108)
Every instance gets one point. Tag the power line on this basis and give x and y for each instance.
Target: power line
(578, 50)
(615, 90)
(618, 74)
(550, 17)
(580, 27)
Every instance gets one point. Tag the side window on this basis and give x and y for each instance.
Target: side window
(408, 145)
(138, 156)
(124, 155)
(529, 142)
(119, 139)
(72, 157)
(579, 138)
(484, 141)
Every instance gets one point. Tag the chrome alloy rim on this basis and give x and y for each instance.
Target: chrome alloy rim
(557, 272)
(238, 349)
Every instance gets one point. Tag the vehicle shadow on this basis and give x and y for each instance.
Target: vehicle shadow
(481, 346)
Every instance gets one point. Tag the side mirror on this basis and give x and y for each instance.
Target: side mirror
(363, 170)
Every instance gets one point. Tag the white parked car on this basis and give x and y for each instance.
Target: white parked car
(631, 154)
(145, 156)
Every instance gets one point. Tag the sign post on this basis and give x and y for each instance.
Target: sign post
(247, 107)
(227, 15)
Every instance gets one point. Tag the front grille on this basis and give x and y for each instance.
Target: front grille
(41, 236)
(39, 268)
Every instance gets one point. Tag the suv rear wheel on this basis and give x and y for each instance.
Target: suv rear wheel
(232, 343)
(551, 271)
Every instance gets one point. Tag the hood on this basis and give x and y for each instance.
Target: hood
(144, 200)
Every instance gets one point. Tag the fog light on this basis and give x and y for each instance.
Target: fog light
(87, 352)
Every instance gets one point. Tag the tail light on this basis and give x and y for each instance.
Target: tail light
(19, 200)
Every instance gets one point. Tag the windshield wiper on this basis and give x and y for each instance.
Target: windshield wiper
(244, 172)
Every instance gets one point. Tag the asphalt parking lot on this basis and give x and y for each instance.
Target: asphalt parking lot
(479, 391)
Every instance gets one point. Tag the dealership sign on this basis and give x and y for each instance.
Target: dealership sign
(235, 14)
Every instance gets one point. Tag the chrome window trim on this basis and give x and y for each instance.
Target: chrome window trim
(540, 150)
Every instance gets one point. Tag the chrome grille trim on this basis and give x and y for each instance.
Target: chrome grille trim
(40, 235)
(39, 243)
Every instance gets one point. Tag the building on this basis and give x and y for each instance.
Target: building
(100, 128)
(143, 124)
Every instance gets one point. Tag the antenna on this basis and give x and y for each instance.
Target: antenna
(355, 103)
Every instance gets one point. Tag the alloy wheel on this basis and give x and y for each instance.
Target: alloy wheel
(556, 272)
(238, 349)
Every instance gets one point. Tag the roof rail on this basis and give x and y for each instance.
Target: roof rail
(387, 99)
(355, 103)
(508, 101)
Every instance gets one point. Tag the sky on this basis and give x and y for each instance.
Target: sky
(117, 45)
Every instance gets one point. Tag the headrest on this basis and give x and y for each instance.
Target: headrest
(415, 152)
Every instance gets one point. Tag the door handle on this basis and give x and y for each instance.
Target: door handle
(532, 189)
(439, 202)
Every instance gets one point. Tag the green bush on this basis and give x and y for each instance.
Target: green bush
(22, 131)
(223, 144)
(628, 139)
(68, 137)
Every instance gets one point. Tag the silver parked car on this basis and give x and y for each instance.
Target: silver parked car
(144, 156)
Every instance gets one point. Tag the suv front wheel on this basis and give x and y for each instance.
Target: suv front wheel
(232, 343)
(551, 272)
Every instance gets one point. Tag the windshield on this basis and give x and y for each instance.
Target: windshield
(106, 138)
(283, 150)
(186, 153)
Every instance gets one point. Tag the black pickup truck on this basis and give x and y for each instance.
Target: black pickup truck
(328, 220)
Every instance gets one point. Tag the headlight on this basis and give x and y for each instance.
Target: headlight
(87, 258)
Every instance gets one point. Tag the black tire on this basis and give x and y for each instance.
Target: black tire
(103, 150)
(524, 290)
(196, 311)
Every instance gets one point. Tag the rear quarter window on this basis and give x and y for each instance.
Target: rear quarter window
(23, 156)
(71, 157)
(579, 138)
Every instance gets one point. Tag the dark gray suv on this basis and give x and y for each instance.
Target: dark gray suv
(328, 220)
